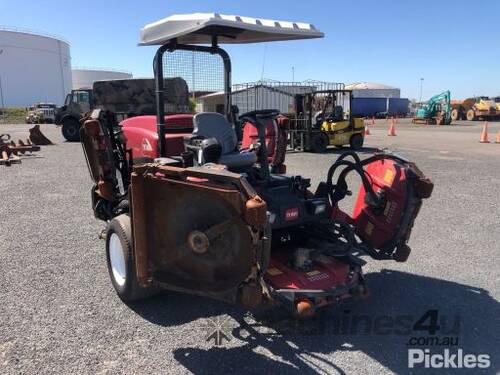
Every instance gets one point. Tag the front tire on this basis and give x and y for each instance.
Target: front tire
(121, 262)
(455, 114)
(471, 115)
(319, 143)
(71, 130)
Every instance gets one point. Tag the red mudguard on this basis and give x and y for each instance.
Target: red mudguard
(142, 135)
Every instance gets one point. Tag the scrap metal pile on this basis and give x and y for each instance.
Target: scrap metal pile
(11, 151)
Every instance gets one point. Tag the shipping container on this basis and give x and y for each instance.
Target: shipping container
(380, 107)
(368, 107)
(398, 106)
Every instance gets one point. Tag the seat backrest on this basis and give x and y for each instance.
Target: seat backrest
(338, 113)
(215, 125)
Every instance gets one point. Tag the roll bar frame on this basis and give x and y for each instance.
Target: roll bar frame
(160, 83)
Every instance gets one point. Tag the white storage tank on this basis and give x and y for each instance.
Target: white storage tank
(373, 90)
(85, 78)
(33, 68)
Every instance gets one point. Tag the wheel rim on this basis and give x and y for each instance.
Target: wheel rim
(117, 259)
(71, 130)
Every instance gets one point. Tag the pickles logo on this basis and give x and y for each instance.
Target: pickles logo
(446, 359)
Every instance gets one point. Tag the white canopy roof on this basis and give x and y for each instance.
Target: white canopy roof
(198, 28)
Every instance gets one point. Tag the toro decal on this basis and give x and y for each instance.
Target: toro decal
(291, 214)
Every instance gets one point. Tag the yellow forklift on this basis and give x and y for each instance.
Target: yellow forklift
(323, 118)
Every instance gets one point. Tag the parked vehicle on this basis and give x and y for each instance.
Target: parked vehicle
(473, 109)
(41, 113)
(496, 99)
(77, 103)
(127, 98)
(436, 111)
(326, 120)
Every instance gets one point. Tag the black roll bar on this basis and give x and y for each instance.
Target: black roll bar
(160, 83)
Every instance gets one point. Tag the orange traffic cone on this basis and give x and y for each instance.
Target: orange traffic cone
(367, 129)
(498, 137)
(392, 129)
(484, 134)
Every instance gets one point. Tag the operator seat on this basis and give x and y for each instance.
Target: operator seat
(214, 125)
(338, 113)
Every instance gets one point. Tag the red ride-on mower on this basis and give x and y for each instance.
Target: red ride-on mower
(203, 207)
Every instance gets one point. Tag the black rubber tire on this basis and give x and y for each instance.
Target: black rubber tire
(455, 114)
(319, 143)
(130, 290)
(356, 141)
(71, 130)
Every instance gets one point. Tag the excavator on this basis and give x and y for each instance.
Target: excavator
(437, 110)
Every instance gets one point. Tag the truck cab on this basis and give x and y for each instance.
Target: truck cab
(77, 103)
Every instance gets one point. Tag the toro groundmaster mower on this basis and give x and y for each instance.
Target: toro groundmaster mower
(200, 204)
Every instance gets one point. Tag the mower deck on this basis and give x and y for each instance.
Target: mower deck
(326, 280)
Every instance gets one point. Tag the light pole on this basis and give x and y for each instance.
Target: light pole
(293, 74)
(1, 91)
(421, 85)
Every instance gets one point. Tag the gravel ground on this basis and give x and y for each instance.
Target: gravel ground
(59, 313)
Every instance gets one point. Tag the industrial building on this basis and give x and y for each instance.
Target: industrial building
(85, 78)
(252, 96)
(33, 68)
(260, 95)
(373, 90)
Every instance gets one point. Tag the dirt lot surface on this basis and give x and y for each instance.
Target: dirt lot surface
(59, 313)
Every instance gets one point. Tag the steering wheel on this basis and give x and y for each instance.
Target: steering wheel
(259, 114)
(257, 118)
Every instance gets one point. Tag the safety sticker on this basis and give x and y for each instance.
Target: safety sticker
(313, 273)
(387, 208)
(389, 176)
(274, 271)
(316, 275)
(369, 228)
(390, 209)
